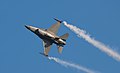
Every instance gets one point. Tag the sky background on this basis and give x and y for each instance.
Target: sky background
(19, 48)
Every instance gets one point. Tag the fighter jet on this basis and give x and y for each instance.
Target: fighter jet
(49, 36)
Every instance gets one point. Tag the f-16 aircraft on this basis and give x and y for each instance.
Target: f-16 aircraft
(49, 36)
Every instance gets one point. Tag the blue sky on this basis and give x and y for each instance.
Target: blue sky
(19, 48)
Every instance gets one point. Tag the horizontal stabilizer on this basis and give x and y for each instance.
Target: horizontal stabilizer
(60, 48)
(64, 37)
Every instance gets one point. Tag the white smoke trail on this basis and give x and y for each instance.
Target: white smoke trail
(99, 45)
(67, 64)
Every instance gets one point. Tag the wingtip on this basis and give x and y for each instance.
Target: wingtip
(58, 20)
(43, 54)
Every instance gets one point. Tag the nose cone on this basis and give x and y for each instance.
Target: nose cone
(31, 28)
(27, 26)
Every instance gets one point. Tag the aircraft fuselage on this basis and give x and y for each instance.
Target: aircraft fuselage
(47, 35)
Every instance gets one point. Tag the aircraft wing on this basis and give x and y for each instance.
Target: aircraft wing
(54, 28)
(46, 44)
